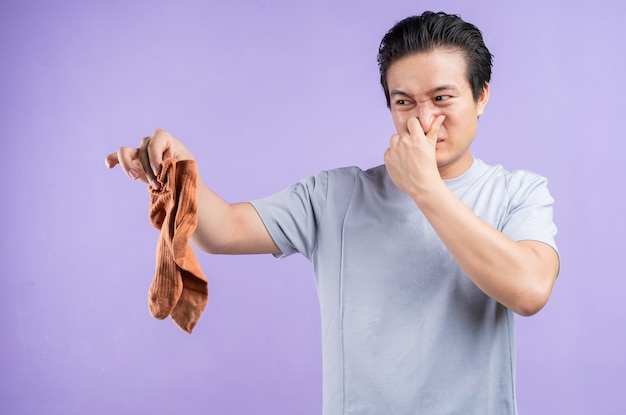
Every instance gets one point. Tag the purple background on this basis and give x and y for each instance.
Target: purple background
(266, 93)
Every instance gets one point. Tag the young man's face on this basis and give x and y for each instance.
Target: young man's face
(428, 84)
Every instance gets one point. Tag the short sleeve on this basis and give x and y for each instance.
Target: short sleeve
(292, 216)
(530, 211)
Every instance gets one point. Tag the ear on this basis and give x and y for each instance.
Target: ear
(483, 99)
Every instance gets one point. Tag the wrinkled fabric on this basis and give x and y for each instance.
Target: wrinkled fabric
(179, 287)
(404, 329)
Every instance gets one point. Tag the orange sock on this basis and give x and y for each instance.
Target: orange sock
(179, 286)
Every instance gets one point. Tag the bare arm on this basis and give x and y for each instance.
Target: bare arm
(222, 227)
(518, 274)
(225, 228)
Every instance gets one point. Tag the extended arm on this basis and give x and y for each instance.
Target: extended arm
(223, 228)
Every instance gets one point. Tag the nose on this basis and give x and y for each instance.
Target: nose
(426, 113)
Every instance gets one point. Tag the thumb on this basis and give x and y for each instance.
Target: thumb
(435, 127)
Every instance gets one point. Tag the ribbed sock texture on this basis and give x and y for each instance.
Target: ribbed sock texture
(179, 287)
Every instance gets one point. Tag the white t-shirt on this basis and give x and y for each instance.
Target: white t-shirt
(404, 330)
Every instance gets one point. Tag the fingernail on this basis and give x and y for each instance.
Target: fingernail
(132, 174)
(154, 184)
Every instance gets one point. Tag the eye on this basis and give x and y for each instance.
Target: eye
(403, 102)
(440, 98)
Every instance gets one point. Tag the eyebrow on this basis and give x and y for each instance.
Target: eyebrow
(433, 91)
(399, 92)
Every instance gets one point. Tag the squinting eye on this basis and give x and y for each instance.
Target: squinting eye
(442, 97)
(402, 102)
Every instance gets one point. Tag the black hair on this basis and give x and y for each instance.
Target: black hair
(429, 31)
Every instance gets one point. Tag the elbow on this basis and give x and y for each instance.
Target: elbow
(536, 282)
(532, 300)
(212, 249)
(529, 308)
(206, 245)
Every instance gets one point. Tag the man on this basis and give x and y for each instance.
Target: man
(421, 263)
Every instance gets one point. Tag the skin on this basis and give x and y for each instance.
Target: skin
(436, 118)
(425, 89)
(222, 228)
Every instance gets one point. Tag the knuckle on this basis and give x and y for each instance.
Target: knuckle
(125, 152)
(144, 142)
(160, 133)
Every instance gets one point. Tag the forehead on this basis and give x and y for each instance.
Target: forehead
(427, 70)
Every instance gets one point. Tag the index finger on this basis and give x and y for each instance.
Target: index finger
(111, 160)
(413, 125)
(435, 127)
(158, 149)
